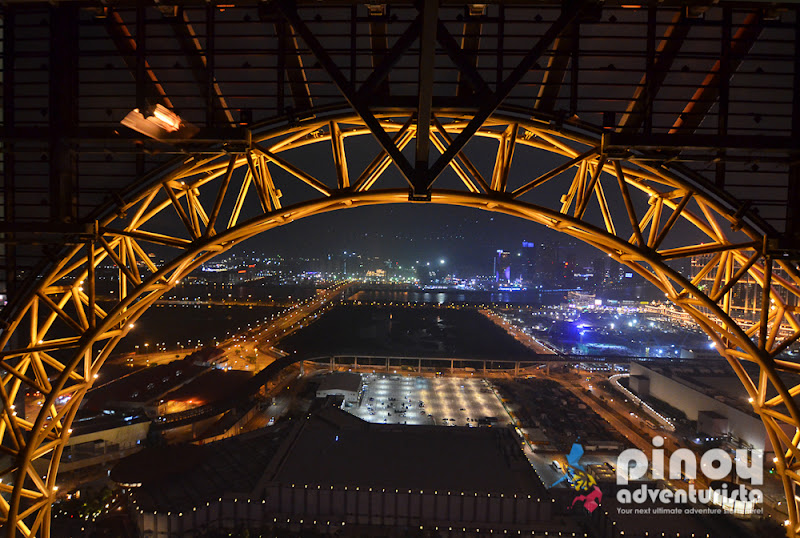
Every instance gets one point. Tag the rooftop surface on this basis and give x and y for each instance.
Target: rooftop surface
(145, 385)
(719, 382)
(447, 401)
(209, 387)
(334, 447)
(341, 381)
(183, 476)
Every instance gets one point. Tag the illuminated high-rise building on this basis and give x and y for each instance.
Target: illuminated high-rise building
(502, 266)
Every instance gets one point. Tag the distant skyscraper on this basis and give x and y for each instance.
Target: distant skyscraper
(599, 271)
(502, 266)
(527, 260)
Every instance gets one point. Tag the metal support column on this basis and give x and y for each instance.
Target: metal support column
(9, 184)
(141, 74)
(724, 92)
(430, 14)
(793, 207)
(63, 112)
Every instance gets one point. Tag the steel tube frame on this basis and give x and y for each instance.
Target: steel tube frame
(67, 365)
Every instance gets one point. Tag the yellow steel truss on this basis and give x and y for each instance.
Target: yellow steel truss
(645, 236)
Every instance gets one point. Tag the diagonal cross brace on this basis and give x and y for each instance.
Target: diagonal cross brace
(464, 63)
(568, 15)
(709, 90)
(659, 66)
(556, 69)
(420, 177)
(198, 60)
(347, 90)
(390, 59)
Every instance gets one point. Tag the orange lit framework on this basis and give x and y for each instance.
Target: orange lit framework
(208, 195)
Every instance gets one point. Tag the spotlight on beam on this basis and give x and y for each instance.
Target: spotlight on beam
(160, 123)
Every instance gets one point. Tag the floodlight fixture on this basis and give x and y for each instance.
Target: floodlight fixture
(160, 123)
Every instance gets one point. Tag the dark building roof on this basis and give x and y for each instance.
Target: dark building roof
(97, 423)
(711, 414)
(331, 447)
(345, 381)
(183, 476)
(144, 385)
(211, 386)
(334, 447)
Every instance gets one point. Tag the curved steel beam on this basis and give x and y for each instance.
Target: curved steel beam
(659, 208)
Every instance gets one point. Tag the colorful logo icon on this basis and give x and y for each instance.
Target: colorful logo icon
(589, 494)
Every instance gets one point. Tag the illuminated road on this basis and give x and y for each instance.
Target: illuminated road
(522, 337)
(223, 302)
(638, 440)
(627, 419)
(615, 408)
(266, 336)
(252, 349)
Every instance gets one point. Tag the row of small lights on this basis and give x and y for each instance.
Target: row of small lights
(383, 490)
(422, 527)
(615, 379)
(284, 312)
(164, 347)
(431, 305)
(503, 319)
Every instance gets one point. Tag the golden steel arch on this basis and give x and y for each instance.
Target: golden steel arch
(208, 195)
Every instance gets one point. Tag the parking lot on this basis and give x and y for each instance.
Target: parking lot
(444, 401)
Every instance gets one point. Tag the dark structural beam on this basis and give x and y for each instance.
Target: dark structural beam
(470, 43)
(659, 63)
(793, 206)
(570, 12)
(379, 43)
(709, 91)
(765, 145)
(292, 65)
(289, 12)
(427, 55)
(720, 168)
(132, 50)
(201, 64)
(556, 69)
(63, 112)
(380, 72)
(467, 70)
(8, 157)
